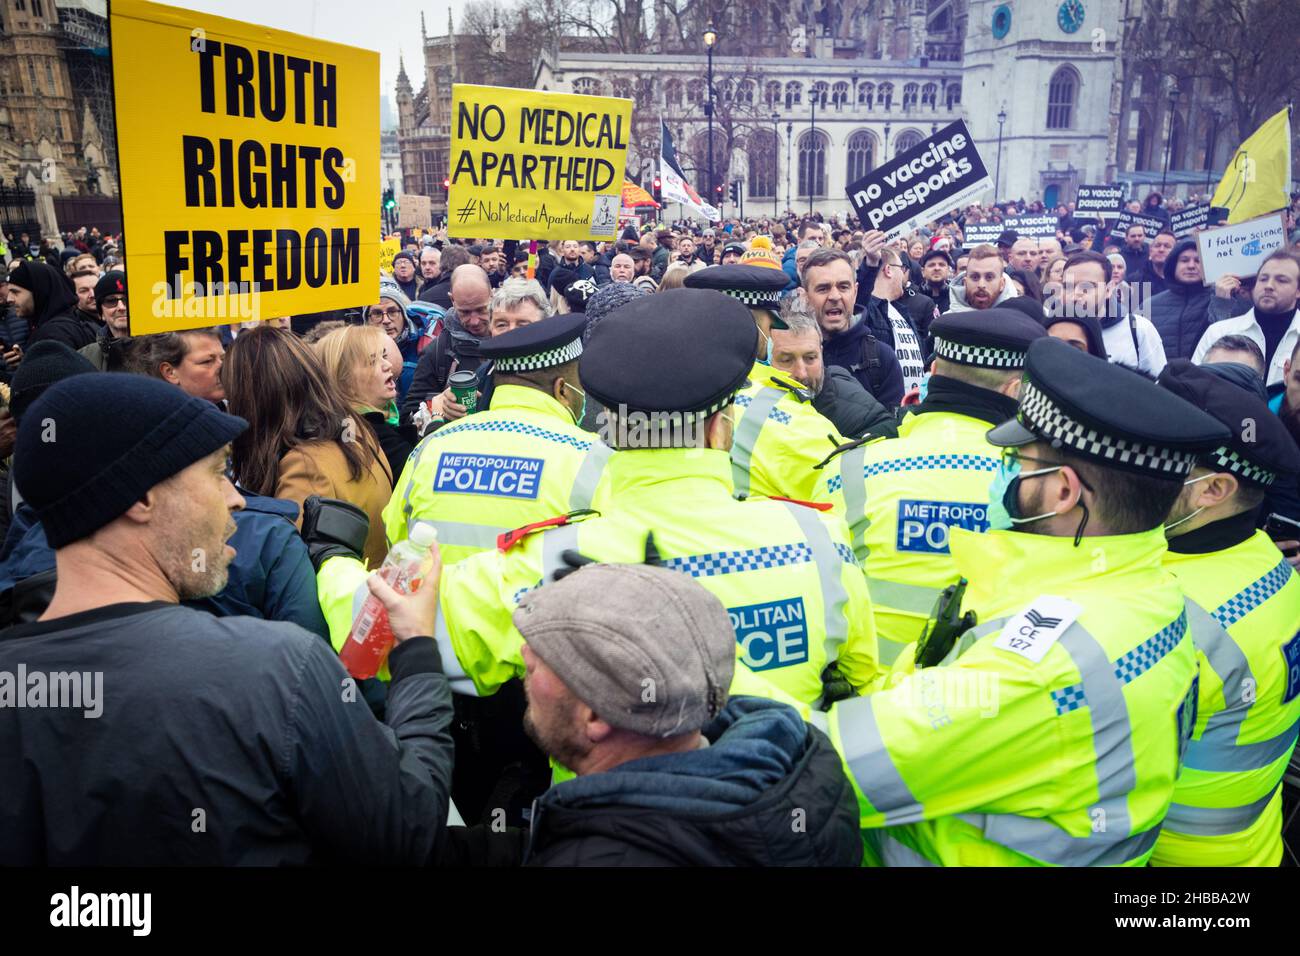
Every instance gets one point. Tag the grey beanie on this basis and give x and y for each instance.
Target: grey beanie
(606, 299)
(650, 650)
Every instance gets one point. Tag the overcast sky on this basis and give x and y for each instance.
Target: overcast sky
(391, 26)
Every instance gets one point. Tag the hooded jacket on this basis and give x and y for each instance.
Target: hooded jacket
(852, 350)
(731, 803)
(54, 314)
(454, 348)
(1181, 313)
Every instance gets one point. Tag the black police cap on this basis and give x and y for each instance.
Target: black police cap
(638, 357)
(758, 287)
(1259, 448)
(1106, 413)
(545, 344)
(994, 338)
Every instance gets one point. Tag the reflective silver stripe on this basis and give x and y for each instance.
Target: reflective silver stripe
(894, 853)
(915, 598)
(465, 535)
(1215, 821)
(830, 567)
(555, 542)
(588, 477)
(854, 487)
(1112, 741)
(746, 438)
(1217, 750)
(451, 665)
(869, 761)
(414, 461)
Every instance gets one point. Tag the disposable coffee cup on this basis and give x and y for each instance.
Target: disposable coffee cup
(464, 386)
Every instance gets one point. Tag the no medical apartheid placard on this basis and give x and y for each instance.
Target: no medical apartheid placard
(938, 174)
(247, 190)
(546, 164)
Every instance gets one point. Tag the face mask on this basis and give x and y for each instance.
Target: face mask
(768, 359)
(1004, 507)
(582, 411)
(1187, 517)
(925, 387)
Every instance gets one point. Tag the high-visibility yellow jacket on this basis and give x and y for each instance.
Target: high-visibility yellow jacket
(1227, 808)
(1051, 732)
(796, 596)
(900, 497)
(779, 439)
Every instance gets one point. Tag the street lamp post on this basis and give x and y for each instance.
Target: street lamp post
(789, 144)
(1169, 136)
(1209, 150)
(997, 177)
(710, 38)
(776, 143)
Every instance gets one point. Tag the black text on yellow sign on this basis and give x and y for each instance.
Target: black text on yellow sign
(526, 163)
(248, 188)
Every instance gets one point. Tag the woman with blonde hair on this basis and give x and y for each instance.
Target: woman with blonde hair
(360, 360)
(302, 439)
(674, 277)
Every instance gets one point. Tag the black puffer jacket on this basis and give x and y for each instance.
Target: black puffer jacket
(1181, 313)
(851, 408)
(769, 790)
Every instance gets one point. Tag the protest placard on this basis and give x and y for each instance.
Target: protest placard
(414, 211)
(1189, 219)
(1151, 224)
(387, 250)
(940, 173)
(977, 233)
(1239, 250)
(1093, 201)
(546, 164)
(248, 179)
(1031, 227)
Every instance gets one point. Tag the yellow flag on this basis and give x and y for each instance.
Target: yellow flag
(1257, 177)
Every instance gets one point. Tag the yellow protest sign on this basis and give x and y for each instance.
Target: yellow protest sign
(536, 164)
(246, 189)
(387, 249)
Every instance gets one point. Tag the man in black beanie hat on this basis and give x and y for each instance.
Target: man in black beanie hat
(138, 508)
(108, 352)
(47, 299)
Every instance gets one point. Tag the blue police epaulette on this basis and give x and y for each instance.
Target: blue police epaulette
(509, 539)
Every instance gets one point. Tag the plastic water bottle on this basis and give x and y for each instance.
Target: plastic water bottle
(371, 637)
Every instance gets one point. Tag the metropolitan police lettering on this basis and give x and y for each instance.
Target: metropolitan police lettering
(923, 525)
(771, 635)
(908, 350)
(506, 477)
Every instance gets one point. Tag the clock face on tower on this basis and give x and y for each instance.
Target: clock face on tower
(1070, 17)
(1001, 21)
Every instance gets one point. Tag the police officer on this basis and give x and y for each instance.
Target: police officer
(1049, 732)
(1227, 808)
(902, 496)
(784, 570)
(780, 438)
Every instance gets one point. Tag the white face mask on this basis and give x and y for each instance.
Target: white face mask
(1191, 515)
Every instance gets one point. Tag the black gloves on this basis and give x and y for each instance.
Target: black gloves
(332, 527)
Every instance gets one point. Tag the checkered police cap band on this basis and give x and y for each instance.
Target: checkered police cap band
(663, 419)
(1226, 459)
(981, 356)
(547, 359)
(757, 298)
(1044, 417)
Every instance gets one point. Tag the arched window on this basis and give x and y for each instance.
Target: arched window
(839, 95)
(587, 86)
(793, 94)
(812, 164)
(622, 87)
(1142, 142)
(910, 92)
(866, 94)
(745, 93)
(929, 95)
(1176, 142)
(862, 155)
(885, 96)
(772, 93)
(673, 93)
(1061, 95)
(821, 92)
(906, 140)
(761, 152)
(724, 91)
(953, 94)
(695, 92)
